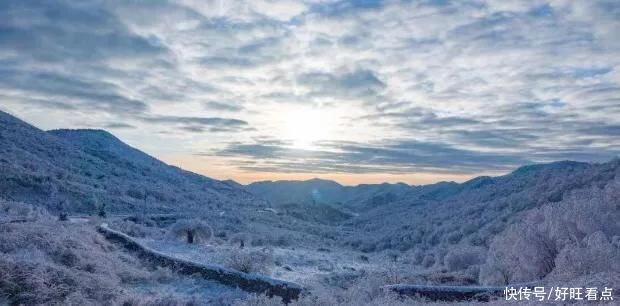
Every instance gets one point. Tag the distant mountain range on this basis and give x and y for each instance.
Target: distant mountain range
(368, 196)
(478, 209)
(318, 191)
(402, 216)
(79, 170)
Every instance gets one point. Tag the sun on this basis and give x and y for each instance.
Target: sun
(305, 127)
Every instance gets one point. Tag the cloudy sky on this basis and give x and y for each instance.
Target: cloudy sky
(357, 91)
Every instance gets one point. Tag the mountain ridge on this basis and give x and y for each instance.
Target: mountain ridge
(371, 195)
(93, 163)
(81, 169)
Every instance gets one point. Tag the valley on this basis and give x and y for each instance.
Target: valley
(554, 224)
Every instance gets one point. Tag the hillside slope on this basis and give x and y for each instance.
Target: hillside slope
(446, 214)
(77, 170)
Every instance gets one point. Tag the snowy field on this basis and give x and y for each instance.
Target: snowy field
(309, 267)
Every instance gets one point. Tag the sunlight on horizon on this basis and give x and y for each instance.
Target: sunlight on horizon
(304, 127)
(220, 171)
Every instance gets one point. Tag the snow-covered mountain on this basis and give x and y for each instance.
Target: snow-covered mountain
(318, 191)
(78, 170)
(301, 192)
(368, 196)
(475, 211)
(406, 217)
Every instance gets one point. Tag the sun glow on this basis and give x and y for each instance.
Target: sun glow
(304, 128)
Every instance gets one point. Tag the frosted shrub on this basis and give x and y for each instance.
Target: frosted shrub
(441, 253)
(475, 239)
(260, 300)
(595, 254)
(256, 261)
(428, 261)
(157, 300)
(393, 255)
(363, 291)
(523, 254)
(240, 239)
(12, 211)
(130, 228)
(283, 240)
(191, 231)
(463, 257)
(101, 211)
(570, 237)
(417, 257)
(51, 264)
(257, 241)
(368, 247)
(454, 237)
(15, 209)
(136, 194)
(241, 261)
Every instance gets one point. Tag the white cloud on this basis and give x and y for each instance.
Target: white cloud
(473, 69)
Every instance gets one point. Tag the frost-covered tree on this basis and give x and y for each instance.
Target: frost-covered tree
(191, 231)
(572, 237)
(240, 239)
(101, 211)
(463, 257)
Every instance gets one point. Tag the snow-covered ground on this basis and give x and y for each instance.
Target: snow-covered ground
(206, 291)
(308, 267)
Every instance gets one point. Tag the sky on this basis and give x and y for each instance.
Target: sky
(356, 91)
